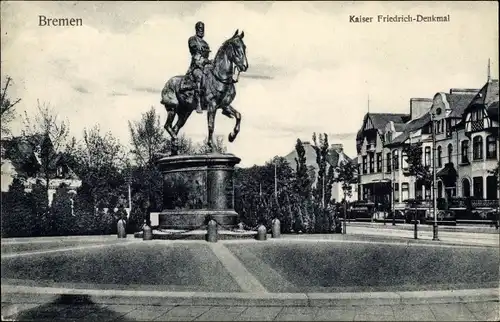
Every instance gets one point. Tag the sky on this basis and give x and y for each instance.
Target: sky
(310, 68)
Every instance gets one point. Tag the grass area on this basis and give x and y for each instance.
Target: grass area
(330, 267)
(137, 266)
(9, 248)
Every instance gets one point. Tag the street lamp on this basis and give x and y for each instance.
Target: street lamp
(72, 194)
(434, 201)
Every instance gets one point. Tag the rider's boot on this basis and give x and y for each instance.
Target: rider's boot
(197, 93)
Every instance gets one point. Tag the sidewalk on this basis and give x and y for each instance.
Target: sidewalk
(89, 311)
(445, 237)
(487, 229)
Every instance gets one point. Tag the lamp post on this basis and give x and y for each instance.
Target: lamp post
(393, 173)
(434, 201)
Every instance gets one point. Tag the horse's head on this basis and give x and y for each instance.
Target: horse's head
(236, 53)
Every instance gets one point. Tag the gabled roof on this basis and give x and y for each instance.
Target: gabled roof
(458, 103)
(488, 94)
(379, 120)
(409, 127)
(492, 111)
(488, 98)
(399, 127)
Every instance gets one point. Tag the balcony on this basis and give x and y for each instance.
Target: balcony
(484, 204)
(371, 147)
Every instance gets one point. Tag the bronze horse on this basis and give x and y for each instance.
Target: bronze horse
(217, 91)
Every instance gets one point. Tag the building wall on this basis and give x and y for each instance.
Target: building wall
(445, 137)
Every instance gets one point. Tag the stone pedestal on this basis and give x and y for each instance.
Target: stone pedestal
(196, 188)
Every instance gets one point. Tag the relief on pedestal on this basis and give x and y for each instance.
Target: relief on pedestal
(184, 190)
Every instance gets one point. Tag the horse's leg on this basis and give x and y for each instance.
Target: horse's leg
(234, 113)
(211, 123)
(170, 130)
(168, 124)
(181, 120)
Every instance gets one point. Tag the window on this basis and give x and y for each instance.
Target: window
(59, 171)
(364, 164)
(404, 161)
(379, 162)
(418, 190)
(477, 183)
(427, 160)
(448, 127)
(372, 163)
(465, 188)
(465, 151)
(450, 152)
(439, 157)
(428, 192)
(396, 160)
(396, 192)
(491, 147)
(388, 160)
(405, 189)
(477, 143)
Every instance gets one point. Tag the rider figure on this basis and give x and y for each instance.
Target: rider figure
(199, 50)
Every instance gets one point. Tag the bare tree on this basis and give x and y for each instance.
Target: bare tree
(46, 132)
(7, 107)
(148, 138)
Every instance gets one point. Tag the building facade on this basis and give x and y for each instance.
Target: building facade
(22, 158)
(465, 122)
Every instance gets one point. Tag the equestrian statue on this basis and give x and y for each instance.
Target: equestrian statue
(207, 86)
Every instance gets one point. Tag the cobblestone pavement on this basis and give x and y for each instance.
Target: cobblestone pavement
(477, 311)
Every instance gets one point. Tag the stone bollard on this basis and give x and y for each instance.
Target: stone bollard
(147, 232)
(121, 225)
(212, 231)
(276, 228)
(261, 233)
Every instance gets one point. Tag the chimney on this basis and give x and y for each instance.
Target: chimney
(337, 147)
(419, 106)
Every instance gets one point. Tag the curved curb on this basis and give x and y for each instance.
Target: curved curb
(31, 294)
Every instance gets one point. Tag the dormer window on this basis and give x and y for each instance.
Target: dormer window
(59, 171)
